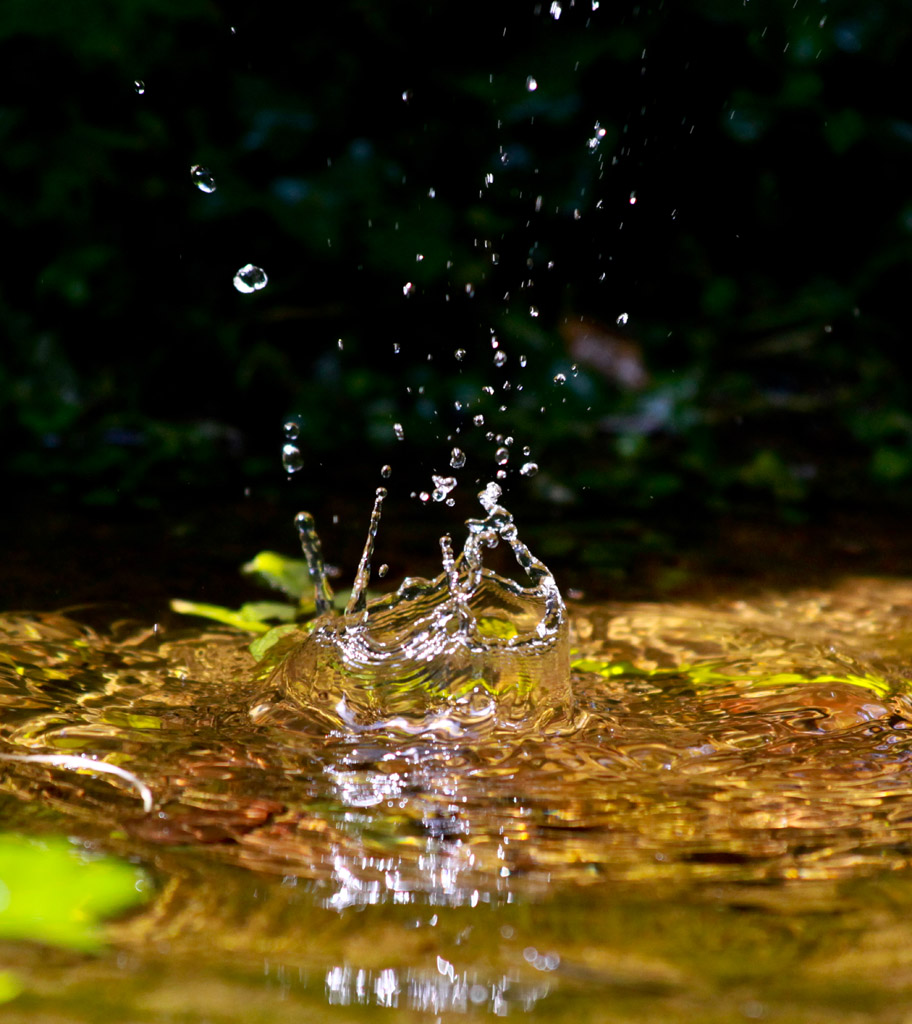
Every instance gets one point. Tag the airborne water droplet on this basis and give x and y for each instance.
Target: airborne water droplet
(140, 86)
(533, 311)
(529, 469)
(500, 357)
(560, 378)
(383, 570)
(460, 354)
(385, 472)
(442, 486)
(408, 288)
(292, 430)
(292, 459)
(623, 318)
(202, 177)
(531, 84)
(501, 456)
(478, 420)
(398, 431)
(250, 279)
(457, 457)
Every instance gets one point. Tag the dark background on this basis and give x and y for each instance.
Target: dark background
(761, 376)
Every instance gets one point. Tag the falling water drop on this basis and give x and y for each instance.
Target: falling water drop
(531, 84)
(478, 420)
(406, 95)
(555, 10)
(442, 486)
(460, 354)
(560, 378)
(250, 279)
(502, 456)
(408, 288)
(633, 198)
(140, 86)
(528, 469)
(533, 311)
(202, 177)
(398, 431)
(292, 430)
(292, 459)
(522, 361)
(383, 570)
(386, 471)
(623, 318)
(500, 357)
(457, 458)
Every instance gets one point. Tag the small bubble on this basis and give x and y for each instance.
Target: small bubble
(478, 420)
(386, 471)
(292, 430)
(460, 354)
(623, 318)
(501, 456)
(202, 178)
(528, 469)
(457, 458)
(292, 459)
(451, 502)
(140, 86)
(500, 358)
(533, 311)
(383, 570)
(489, 436)
(560, 378)
(531, 84)
(250, 279)
(408, 288)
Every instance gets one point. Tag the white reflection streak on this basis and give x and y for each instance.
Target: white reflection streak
(82, 763)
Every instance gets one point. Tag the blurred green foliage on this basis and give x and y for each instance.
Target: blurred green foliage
(732, 177)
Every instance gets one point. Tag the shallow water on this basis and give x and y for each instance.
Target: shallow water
(723, 831)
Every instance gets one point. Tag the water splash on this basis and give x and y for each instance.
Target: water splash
(464, 653)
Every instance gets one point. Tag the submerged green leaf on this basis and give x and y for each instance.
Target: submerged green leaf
(54, 892)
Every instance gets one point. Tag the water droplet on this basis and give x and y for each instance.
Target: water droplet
(527, 451)
(424, 496)
(442, 486)
(408, 288)
(457, 458)
(386, 471)
(292, 429)
(560, 378)
(508, 441)
(398, 431)
(533, 311)
(489, 178)
(501, 456)
(470, 290)
(501, 474)
(531, 84)
(633, 198)
(250, 279)
(489, 436)
(396, 348)
(292, 459)
(522, 361)
(460, 354)
(505, 158)
(495, 257)
(419, 256)
(407, 95)
(500, 358)
(432, 192)
(202, 178)
(383, 570)
(140, 86)
(478, 420)
(529, 469)
(488, 390)
(555, 10)
(623, 318)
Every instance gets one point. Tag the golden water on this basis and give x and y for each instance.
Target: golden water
(723, 830)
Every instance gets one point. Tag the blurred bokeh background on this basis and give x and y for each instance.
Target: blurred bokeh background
(688, 226)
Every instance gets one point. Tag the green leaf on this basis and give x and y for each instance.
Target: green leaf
(262, 643)
(290, 575)
(55, 893)
(250, 617)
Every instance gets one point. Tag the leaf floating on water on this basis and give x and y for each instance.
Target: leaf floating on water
(53, 892)
(251, 617)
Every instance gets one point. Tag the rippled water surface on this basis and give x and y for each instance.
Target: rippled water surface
(722, 830)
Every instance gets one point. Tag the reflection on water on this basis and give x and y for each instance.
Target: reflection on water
(724, 814)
